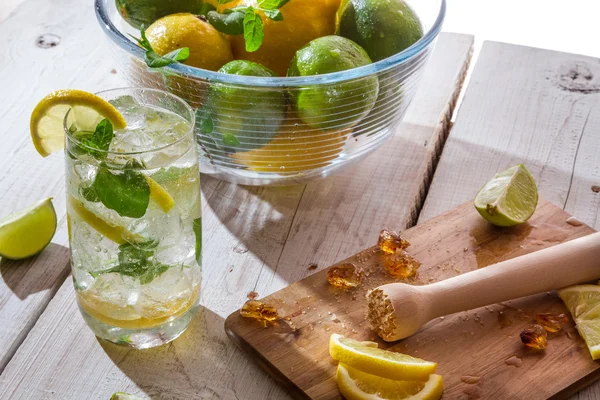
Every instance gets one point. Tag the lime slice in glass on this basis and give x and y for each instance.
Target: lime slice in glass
(26, 232)
(509, 198)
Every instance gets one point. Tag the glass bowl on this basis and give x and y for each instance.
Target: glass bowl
(247, 129)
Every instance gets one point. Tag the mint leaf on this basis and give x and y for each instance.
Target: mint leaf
(224, 1)
(198, 232)
(169, 174)
(153, 59)
(127, 193)
(101, 139)
(134, 261)
(271, 4)
(204, 121)
(275, 15)
(230, 140)
(253, 30)
(229, 23)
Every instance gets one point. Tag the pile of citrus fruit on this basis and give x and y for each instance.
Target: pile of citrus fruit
(276, 38)
(367, 372)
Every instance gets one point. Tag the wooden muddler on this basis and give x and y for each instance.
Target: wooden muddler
(398, 310)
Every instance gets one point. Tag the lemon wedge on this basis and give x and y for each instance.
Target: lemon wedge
(27, 232)
(386, 364)
(583, 301)
(358, 385)
(117, 234)
(87, 110)
(160, 195)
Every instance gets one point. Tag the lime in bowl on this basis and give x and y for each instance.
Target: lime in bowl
(316, 96)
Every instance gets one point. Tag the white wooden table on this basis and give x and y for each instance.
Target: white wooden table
(521, 105)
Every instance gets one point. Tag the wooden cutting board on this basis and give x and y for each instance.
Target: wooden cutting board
(476, 343)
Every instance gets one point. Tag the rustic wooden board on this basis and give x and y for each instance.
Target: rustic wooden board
(474, 343)
(245, 229)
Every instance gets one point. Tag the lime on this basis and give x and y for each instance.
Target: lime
(209, 48)
(382, 27)
(366, 357)
(245, 118)
(27, 232)
(583, 301)
(358, 385)
(509, 198)
(87, 109)
(338, 105)
(145, 12)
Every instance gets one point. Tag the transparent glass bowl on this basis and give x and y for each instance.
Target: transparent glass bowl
(248, 131)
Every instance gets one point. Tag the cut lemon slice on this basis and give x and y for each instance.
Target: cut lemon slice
(583, 301)
(383, 363)
(160, 195)
(117, 234)
(27, 232)
(358, 385)
(87, 110)
(510, 198)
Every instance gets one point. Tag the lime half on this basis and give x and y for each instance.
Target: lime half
(26, 232)
(509, 198)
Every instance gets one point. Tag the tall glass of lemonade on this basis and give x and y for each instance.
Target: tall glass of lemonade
(134, 218)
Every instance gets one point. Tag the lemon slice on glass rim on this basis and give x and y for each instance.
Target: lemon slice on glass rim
(87, 110)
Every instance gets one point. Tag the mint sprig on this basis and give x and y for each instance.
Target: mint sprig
(153, 59)
(246, 21)
(135, 261)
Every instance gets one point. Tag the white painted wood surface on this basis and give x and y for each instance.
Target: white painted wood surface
(248, 231)
(544, 112)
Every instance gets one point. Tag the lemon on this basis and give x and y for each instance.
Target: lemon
(159, 195)
(117, 234)
(386, 364)
(303, 21)
(583, 301)
(27, 232)
(209, 48)
(87, 110)
(510, 198)
(358, 385)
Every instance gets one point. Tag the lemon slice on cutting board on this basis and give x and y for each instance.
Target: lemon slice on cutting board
(508, 199)
(358, 385)
(27, 232)
(386, 364)
(87, 110)
(583, 301)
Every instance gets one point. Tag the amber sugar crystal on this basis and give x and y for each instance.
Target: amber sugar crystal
(400, 264)
(535, 337)
(552, 322)
(389, 242)
(345, 276)
(258, 310)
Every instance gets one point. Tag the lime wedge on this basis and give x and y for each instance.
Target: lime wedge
(509, 198)
(25, 233)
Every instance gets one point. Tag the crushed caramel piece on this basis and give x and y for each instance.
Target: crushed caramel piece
(389, 242)
(535, 337)
(345, 276)
(552, 322)
(400, 264)
(258, 310)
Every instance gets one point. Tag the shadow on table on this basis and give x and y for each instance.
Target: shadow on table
(46, 270)
(199, 364)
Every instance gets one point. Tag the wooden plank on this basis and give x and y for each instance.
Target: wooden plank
(245, 231)
(533, 106)
(474, 343)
